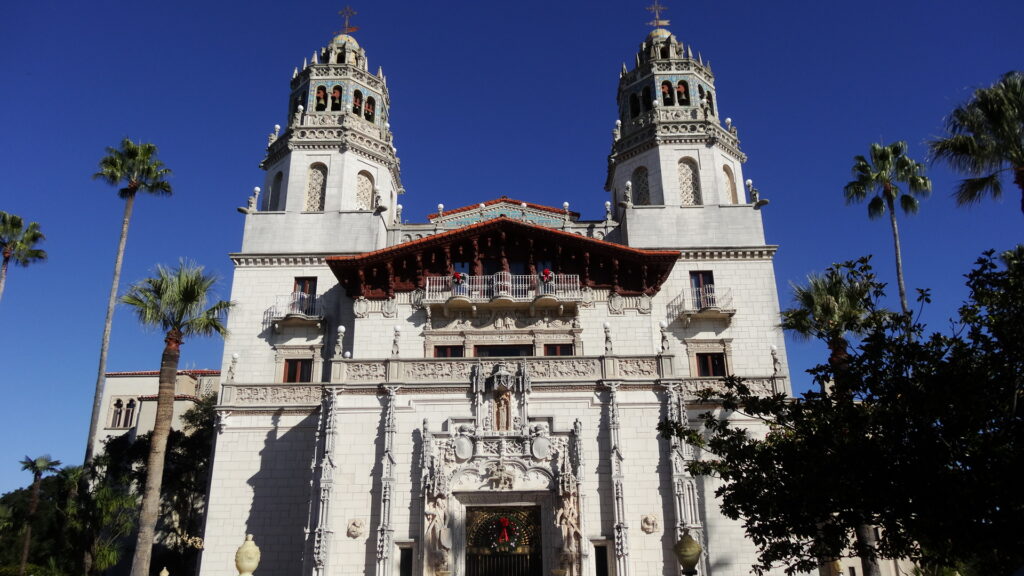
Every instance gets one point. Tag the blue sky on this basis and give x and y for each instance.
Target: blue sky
(513, 98)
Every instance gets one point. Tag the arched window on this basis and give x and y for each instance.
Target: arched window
(700, 91)
(274, 194)
(634, 106)
(647, 98)
(336, 97)
(115, 420)
(641, 187)
(341, 56)
(320, 103)
(316, 188)
(357, 102)
(666, 51)
(711, 102)
(730, 184)
(364, 191)
(666, 94)
(129, 414)
(689, 183)
(369, 108)
(683, 93)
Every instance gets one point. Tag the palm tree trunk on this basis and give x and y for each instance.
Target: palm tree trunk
(3, 275)
(865, 537)
(1018, 179)
(101, 375)
(899, 259)
(157, 454)
(32, 506)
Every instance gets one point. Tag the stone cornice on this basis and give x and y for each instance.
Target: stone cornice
(242, 260)
(730, 253)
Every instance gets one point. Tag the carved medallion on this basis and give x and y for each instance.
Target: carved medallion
(541, 448)
(463, 447)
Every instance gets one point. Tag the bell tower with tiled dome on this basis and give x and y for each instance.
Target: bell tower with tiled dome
(334, 165)
(675, 164)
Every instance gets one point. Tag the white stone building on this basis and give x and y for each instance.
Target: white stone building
(130, 401)
(478, 393)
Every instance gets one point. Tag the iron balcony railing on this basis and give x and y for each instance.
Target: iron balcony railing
(708, 296)
(516, 287)
(298, 304)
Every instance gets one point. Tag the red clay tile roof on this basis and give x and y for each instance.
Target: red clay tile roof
(507, 200)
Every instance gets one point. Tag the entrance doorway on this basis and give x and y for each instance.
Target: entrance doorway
(503, 541)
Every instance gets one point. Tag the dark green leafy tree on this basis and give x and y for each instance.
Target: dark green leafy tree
(174, 301)
(18, 244)
(985, 139)
(882, 176)
(38, 467)
(134, 168)
(921, 435)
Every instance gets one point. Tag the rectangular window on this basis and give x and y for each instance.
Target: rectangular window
(405, 562)
(305, 285)
(510, 350)
(711, 364)
(298, 370)
(600, 560)
(702, 282)
(558, 349)
(449, 351)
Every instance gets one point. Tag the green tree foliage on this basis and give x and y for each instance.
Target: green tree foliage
(133, 168)
(174, 301)
(18, 244)
(880, 176)
(924, 439)
(39, 466)
(985, 138)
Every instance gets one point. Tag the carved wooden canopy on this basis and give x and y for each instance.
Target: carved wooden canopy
(508, 245)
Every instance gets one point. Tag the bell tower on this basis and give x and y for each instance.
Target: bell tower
(333, 176)
(675, 170)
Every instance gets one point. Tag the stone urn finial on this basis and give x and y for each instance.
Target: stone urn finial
(247, 559)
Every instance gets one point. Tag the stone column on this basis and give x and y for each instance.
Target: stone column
(386, 532)
(619, 509)
(686, 504)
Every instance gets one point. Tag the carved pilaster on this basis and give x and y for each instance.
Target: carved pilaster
(319, 530)
(686, 505)
(385, 531)
(619, 509)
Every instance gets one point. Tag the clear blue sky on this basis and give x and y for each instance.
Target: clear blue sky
(513, 98)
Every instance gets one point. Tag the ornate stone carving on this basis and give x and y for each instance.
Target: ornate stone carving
(587, 297)
(316, 188)
(689, 183)
(356, 528)
(275, 395)
(501, 476)
(364, 191)
(365, 371)
(557, 369)
(643, 304)
(389, 308)
(615, 303)
(638, 367)
(649, 524)
(361, 307)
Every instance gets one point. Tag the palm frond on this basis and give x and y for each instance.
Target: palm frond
(972, 190)
(176, 299)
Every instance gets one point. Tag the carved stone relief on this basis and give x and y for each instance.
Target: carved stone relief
(356, 528)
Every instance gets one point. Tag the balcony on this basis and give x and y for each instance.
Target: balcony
(708, 301)
(296, 309)
(502, 290)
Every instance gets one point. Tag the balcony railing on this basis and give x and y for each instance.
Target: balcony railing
(707, 301)
(297, 304)
(515, 287)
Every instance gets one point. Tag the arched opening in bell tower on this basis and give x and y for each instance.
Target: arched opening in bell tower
(667, 97)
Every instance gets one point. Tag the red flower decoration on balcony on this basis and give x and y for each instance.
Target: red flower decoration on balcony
(457, 278)
(546, 275)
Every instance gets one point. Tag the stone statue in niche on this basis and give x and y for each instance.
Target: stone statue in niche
(503, 411)
(356, 528)
(649, 524)
(501, 476)
(439, 537)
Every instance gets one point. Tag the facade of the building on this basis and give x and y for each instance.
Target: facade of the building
(478, 393)
(130, 401)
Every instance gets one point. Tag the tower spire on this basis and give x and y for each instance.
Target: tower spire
(346, 13)
(657, 8)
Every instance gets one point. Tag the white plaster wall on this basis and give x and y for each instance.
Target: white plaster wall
(313, 232)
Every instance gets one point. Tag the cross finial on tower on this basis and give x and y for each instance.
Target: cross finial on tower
(657, 8)
(347, 13)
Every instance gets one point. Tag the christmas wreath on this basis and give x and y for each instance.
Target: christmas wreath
(457, 278)
(547, 275)
(505, 534)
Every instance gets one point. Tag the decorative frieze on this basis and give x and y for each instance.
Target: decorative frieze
(273, 395)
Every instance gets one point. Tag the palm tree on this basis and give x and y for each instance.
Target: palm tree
(18, 243)
(39, 467)
(175, 301)
(986, 138)
(881, 175)
(137, 167)
(831, 307)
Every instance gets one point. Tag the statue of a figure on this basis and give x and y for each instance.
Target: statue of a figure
(567, 517)
(439, 537)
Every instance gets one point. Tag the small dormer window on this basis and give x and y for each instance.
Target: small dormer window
(321, 99)
(357, 102)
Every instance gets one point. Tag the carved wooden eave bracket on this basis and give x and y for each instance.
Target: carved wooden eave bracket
(498, 243)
